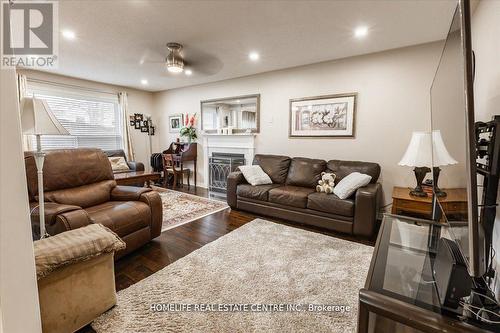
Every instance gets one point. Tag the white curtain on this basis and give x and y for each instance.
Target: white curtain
(22, 91)
(127, 140)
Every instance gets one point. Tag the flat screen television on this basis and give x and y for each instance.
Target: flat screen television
(452, 115)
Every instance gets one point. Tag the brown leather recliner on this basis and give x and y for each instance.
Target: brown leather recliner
(292, 196)
(80, 189)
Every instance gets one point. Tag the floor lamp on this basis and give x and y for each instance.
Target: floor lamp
(37, 119)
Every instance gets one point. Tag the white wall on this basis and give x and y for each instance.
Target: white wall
(18, 288)
(139, 102)
(393, 100)
(486, 45)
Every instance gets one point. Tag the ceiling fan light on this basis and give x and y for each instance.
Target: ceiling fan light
(175, 68)
(174, 61)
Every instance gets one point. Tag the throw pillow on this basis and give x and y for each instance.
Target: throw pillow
(349, 184)
(254, 175)
(118, 164)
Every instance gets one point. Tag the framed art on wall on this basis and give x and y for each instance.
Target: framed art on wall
(323, 116)
(175, 122)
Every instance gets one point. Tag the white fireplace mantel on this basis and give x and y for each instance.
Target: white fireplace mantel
(235, 144)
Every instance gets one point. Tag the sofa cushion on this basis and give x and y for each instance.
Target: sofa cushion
(255, 175)
(343, 168)
(349, 184)
(305, 172)
(287, 195)
(274, 165)
(330, 203)
(83, 196)
(118, 164)
(122, 217)
(259, 192)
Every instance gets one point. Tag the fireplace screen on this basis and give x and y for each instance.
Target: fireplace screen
(219, 167)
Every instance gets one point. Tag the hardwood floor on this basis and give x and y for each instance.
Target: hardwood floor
(176, 243)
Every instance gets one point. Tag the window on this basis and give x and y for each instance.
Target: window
(94, 120)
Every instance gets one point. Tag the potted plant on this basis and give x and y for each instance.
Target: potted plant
(189, 129)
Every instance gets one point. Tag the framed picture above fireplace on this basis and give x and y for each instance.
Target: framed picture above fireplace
(323, 116)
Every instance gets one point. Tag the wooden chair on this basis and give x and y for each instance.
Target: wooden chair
(171, 167)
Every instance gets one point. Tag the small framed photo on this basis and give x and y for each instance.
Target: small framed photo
(138, 116)
(137, 124)
(323, 116)
(144, 129)
(132, 120)
(175, 122)
(152, 130)
(145, 123)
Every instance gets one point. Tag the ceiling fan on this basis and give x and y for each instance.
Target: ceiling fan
(200, 62)
(174, 60)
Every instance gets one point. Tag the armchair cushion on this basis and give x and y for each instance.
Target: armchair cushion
(74, 246)
(123, 217)
(128, 193)
(83, 196)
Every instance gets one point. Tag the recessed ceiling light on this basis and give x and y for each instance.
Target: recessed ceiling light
(361, 31)
(144, 82)
(238, 101)
(188, 72)
(254, 56)
(68, 34)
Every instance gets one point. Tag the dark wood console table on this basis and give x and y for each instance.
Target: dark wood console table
(399, 293)
(135, 177)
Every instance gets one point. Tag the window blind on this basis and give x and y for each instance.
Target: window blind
(93, 120)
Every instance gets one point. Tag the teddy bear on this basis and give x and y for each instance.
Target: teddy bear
(326, 183)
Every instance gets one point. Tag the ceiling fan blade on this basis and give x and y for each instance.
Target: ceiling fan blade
(201, 62)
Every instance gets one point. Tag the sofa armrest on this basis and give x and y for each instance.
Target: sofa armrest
(366, 206)
(135, 166)
(52, 210)
(233, 180)
(153, 200)
(128, 193)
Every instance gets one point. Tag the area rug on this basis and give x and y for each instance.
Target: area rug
(290, 280)
(181, 208)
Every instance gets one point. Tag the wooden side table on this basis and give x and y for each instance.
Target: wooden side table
(454, 204)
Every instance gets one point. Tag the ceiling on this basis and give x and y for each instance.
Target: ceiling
(122, 42)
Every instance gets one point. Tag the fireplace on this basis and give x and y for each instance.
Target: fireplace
(241, 147)
(219, 167)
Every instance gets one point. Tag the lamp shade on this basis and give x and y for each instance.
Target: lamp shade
(418, 153)
(422, 146)
(440, 154)
(38, 119)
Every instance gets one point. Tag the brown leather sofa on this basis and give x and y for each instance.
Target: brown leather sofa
(80, 189)
(293, 196)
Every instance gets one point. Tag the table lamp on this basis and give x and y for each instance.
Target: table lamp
(423, 151)
(37, 119)
(440, 157)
